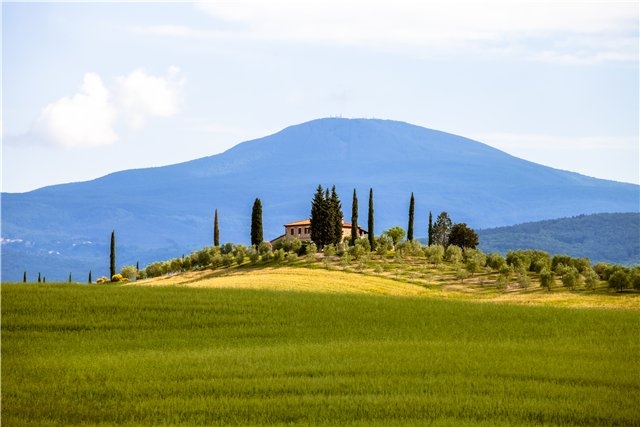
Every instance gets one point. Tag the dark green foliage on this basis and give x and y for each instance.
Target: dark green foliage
(256, 223)
(318, 218)
(112, 255)
(430, 231)
(216, 230)
(90, 280)
(69, 277)
(463, 236)
(412, 205)
(371, 235)
(39, 279)
(24, 277)
(354, 218)
(326, 217)
(441, 229)
(610, 237)
(336, 216)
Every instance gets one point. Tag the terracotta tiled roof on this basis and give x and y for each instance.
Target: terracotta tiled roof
(297, 223)
(307, 222)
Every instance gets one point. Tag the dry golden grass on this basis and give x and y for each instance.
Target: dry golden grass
(301, 279)
(291, 279)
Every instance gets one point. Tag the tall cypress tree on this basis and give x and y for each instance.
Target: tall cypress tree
(39, 280)
(372, 239)
(112, 255)
(354, 218)
(430, 229)
(90, 278)
(412, 205)
(256, 223)
(216, 230)
(336, 217)
(69, 277)
(329, 214)
(24, 277)
(318, 217)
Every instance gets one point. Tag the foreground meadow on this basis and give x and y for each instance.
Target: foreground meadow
(179, 355)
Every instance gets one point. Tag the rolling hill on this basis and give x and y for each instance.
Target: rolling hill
(612, 238)
(159, 213)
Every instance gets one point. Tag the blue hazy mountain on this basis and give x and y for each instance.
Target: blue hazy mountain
(165, 212)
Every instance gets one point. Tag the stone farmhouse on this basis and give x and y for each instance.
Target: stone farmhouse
(302, 231)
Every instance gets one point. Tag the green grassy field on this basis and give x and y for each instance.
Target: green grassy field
(132, 355)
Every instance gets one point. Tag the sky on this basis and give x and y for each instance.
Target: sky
(93, 88)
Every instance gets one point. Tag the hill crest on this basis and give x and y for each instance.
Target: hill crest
(159, 213)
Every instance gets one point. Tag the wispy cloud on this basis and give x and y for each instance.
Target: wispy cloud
(84, 119)
(88, 118)
(141, 95)
(565, 32)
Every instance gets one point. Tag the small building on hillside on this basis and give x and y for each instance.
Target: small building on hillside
(302, 231)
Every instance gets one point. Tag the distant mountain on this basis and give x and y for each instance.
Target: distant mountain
(607, 237)
(164, 212)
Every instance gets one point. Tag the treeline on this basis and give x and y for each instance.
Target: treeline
(448, 242)
(609, 237)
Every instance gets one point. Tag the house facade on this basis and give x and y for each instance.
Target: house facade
(302, 230)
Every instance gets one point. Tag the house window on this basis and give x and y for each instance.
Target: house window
(292, 231)
(299, 230)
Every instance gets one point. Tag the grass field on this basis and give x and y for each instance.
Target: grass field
(230, 354)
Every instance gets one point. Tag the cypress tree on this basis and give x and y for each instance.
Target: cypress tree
(412, 205)
(216, 230)
(336, 217)
(318, 217)
(112, 255)
(256, 223)
(354, 218)
(24, 277)
(372, 239)
(69, 277)
(44, 279)
(430, 229)
(39, 280)
(329, 214)
(90, 281)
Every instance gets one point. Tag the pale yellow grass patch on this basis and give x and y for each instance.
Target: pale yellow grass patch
(302, 279)
(291, 279)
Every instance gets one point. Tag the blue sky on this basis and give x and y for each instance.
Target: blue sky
(93, 88)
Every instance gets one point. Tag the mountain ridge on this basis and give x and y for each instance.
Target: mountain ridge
(168, 210)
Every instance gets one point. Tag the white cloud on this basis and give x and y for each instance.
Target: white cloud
(568, 32)
(88, 118)
(141, 95)
(84, 120)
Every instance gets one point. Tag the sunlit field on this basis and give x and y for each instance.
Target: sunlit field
(179, 355)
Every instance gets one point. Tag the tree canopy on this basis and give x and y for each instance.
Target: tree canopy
(326, 217)
(463, 236)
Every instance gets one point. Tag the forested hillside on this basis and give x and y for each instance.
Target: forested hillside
(607, 237)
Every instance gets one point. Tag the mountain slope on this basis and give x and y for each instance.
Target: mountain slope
(164, 212)
(613, 238)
